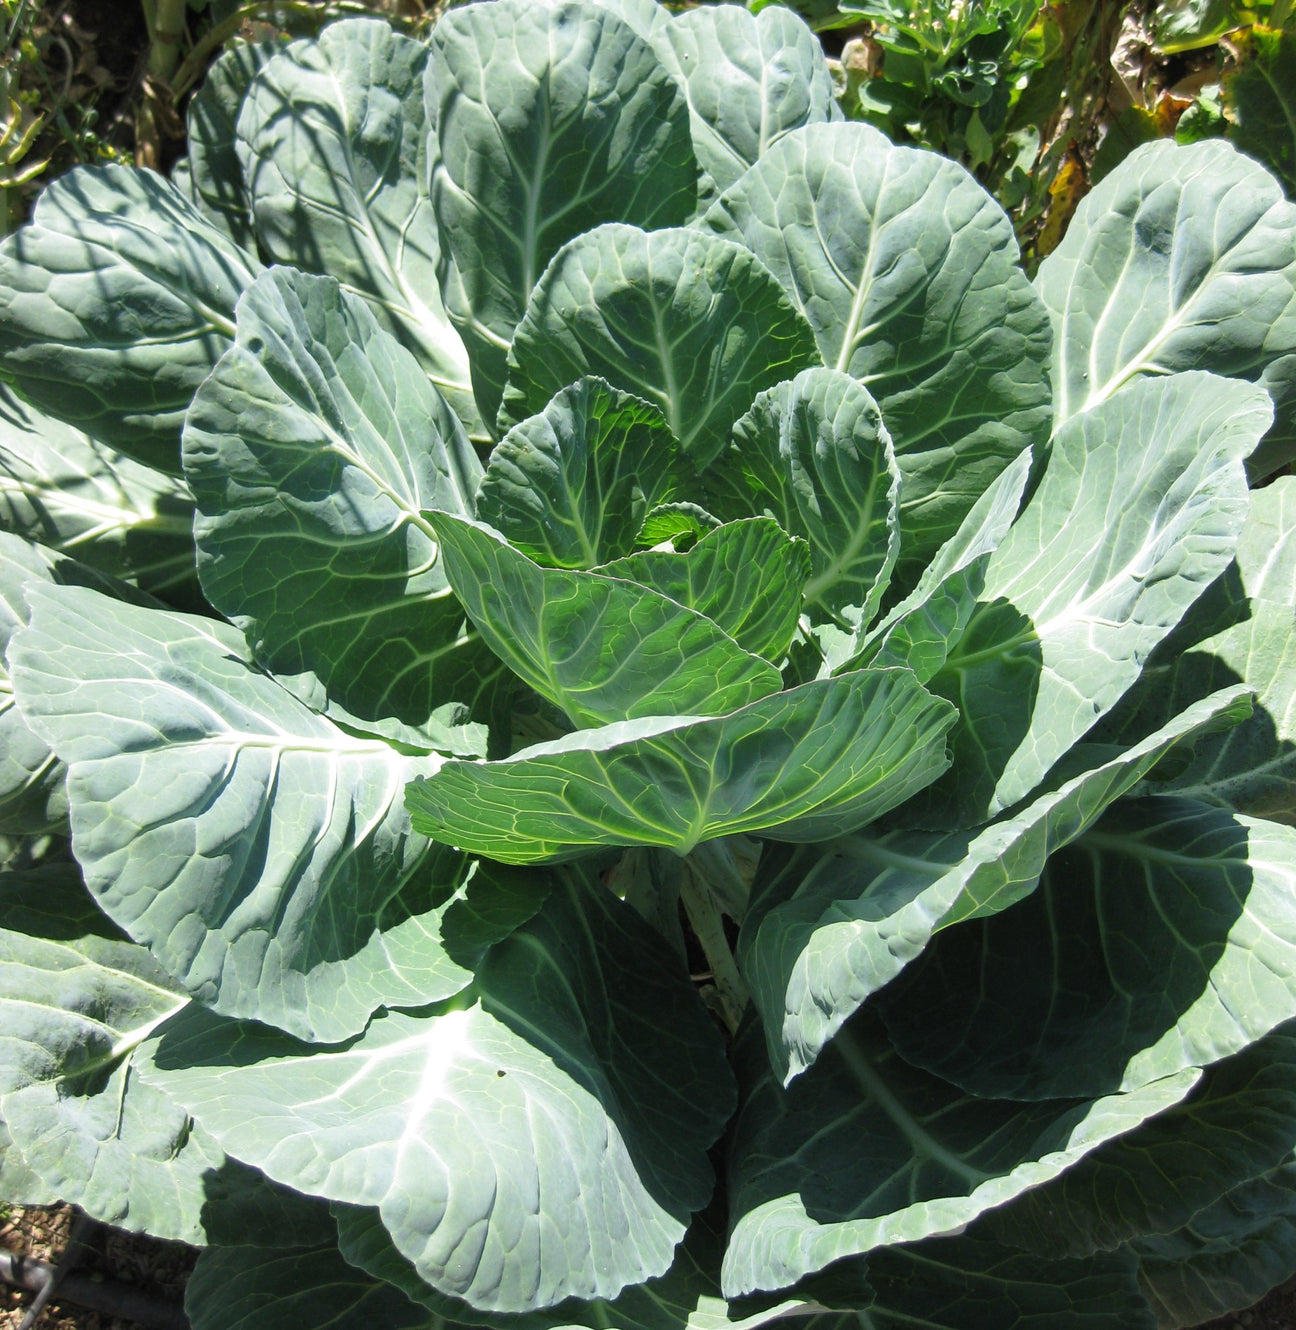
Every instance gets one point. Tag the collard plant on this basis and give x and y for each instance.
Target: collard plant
(612, 720)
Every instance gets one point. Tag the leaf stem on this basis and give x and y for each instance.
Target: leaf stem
(708, 926)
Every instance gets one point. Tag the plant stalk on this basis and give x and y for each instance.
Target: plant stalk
(708, 927)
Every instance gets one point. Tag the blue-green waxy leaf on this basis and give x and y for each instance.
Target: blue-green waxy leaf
(1138, 511)
(802, 765)
(1182, 258)
(921, 630)
(312, 450)
(258, 850)
(76, 1000)
(1250, 769)
(547, 1141)
(571, 486)
(1162, 938)
(869, 908)
(115, 302)
(215, 174)
(686, 320)
(1239, 1122)
(333, 145)
(33, 797)
(1228, 1257)
(907, 270)
(815, 453)
(66, 491)
(1266, 552)
(306, 1288)
(745, 576)
(749, 79)
(548, 120)
(865, 1151)
(600, 648)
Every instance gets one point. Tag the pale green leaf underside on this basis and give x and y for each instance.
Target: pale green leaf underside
(686, 320)
(311, 450)
(907, 270)
(1182, 258)
(333, 145)
(546, 1142)
(864, 913)
(802, 765)
(745, 576)
(865, 1151)
(571, 486)
(115, 302)
(548, 120)
(1138, 512)
(600, 648)
(1169, 926)
(260, 852)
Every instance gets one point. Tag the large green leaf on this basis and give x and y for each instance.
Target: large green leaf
(803, 765)
(746, 576)
(749, 79)
(1251, 769)
(549, 120)
(261, 852)
(600, 648)
(63, 489)
(686, 320)
(571, 486)
(334, 147)
(19, 1183)
(312, 450)
(216, 175)
(907, 270)
(967, 1283)
(310, 1288)
(1162, 938)
(1138, 511)
(1228, 1257)
(77, 999)
(1238, 1123)
(1182, 258)
(1266, 552)
(815, 453)
(920, 631)
(115, 302)
(686, 1297)
(865, 1151)
(870, 907)
(547, 1141)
